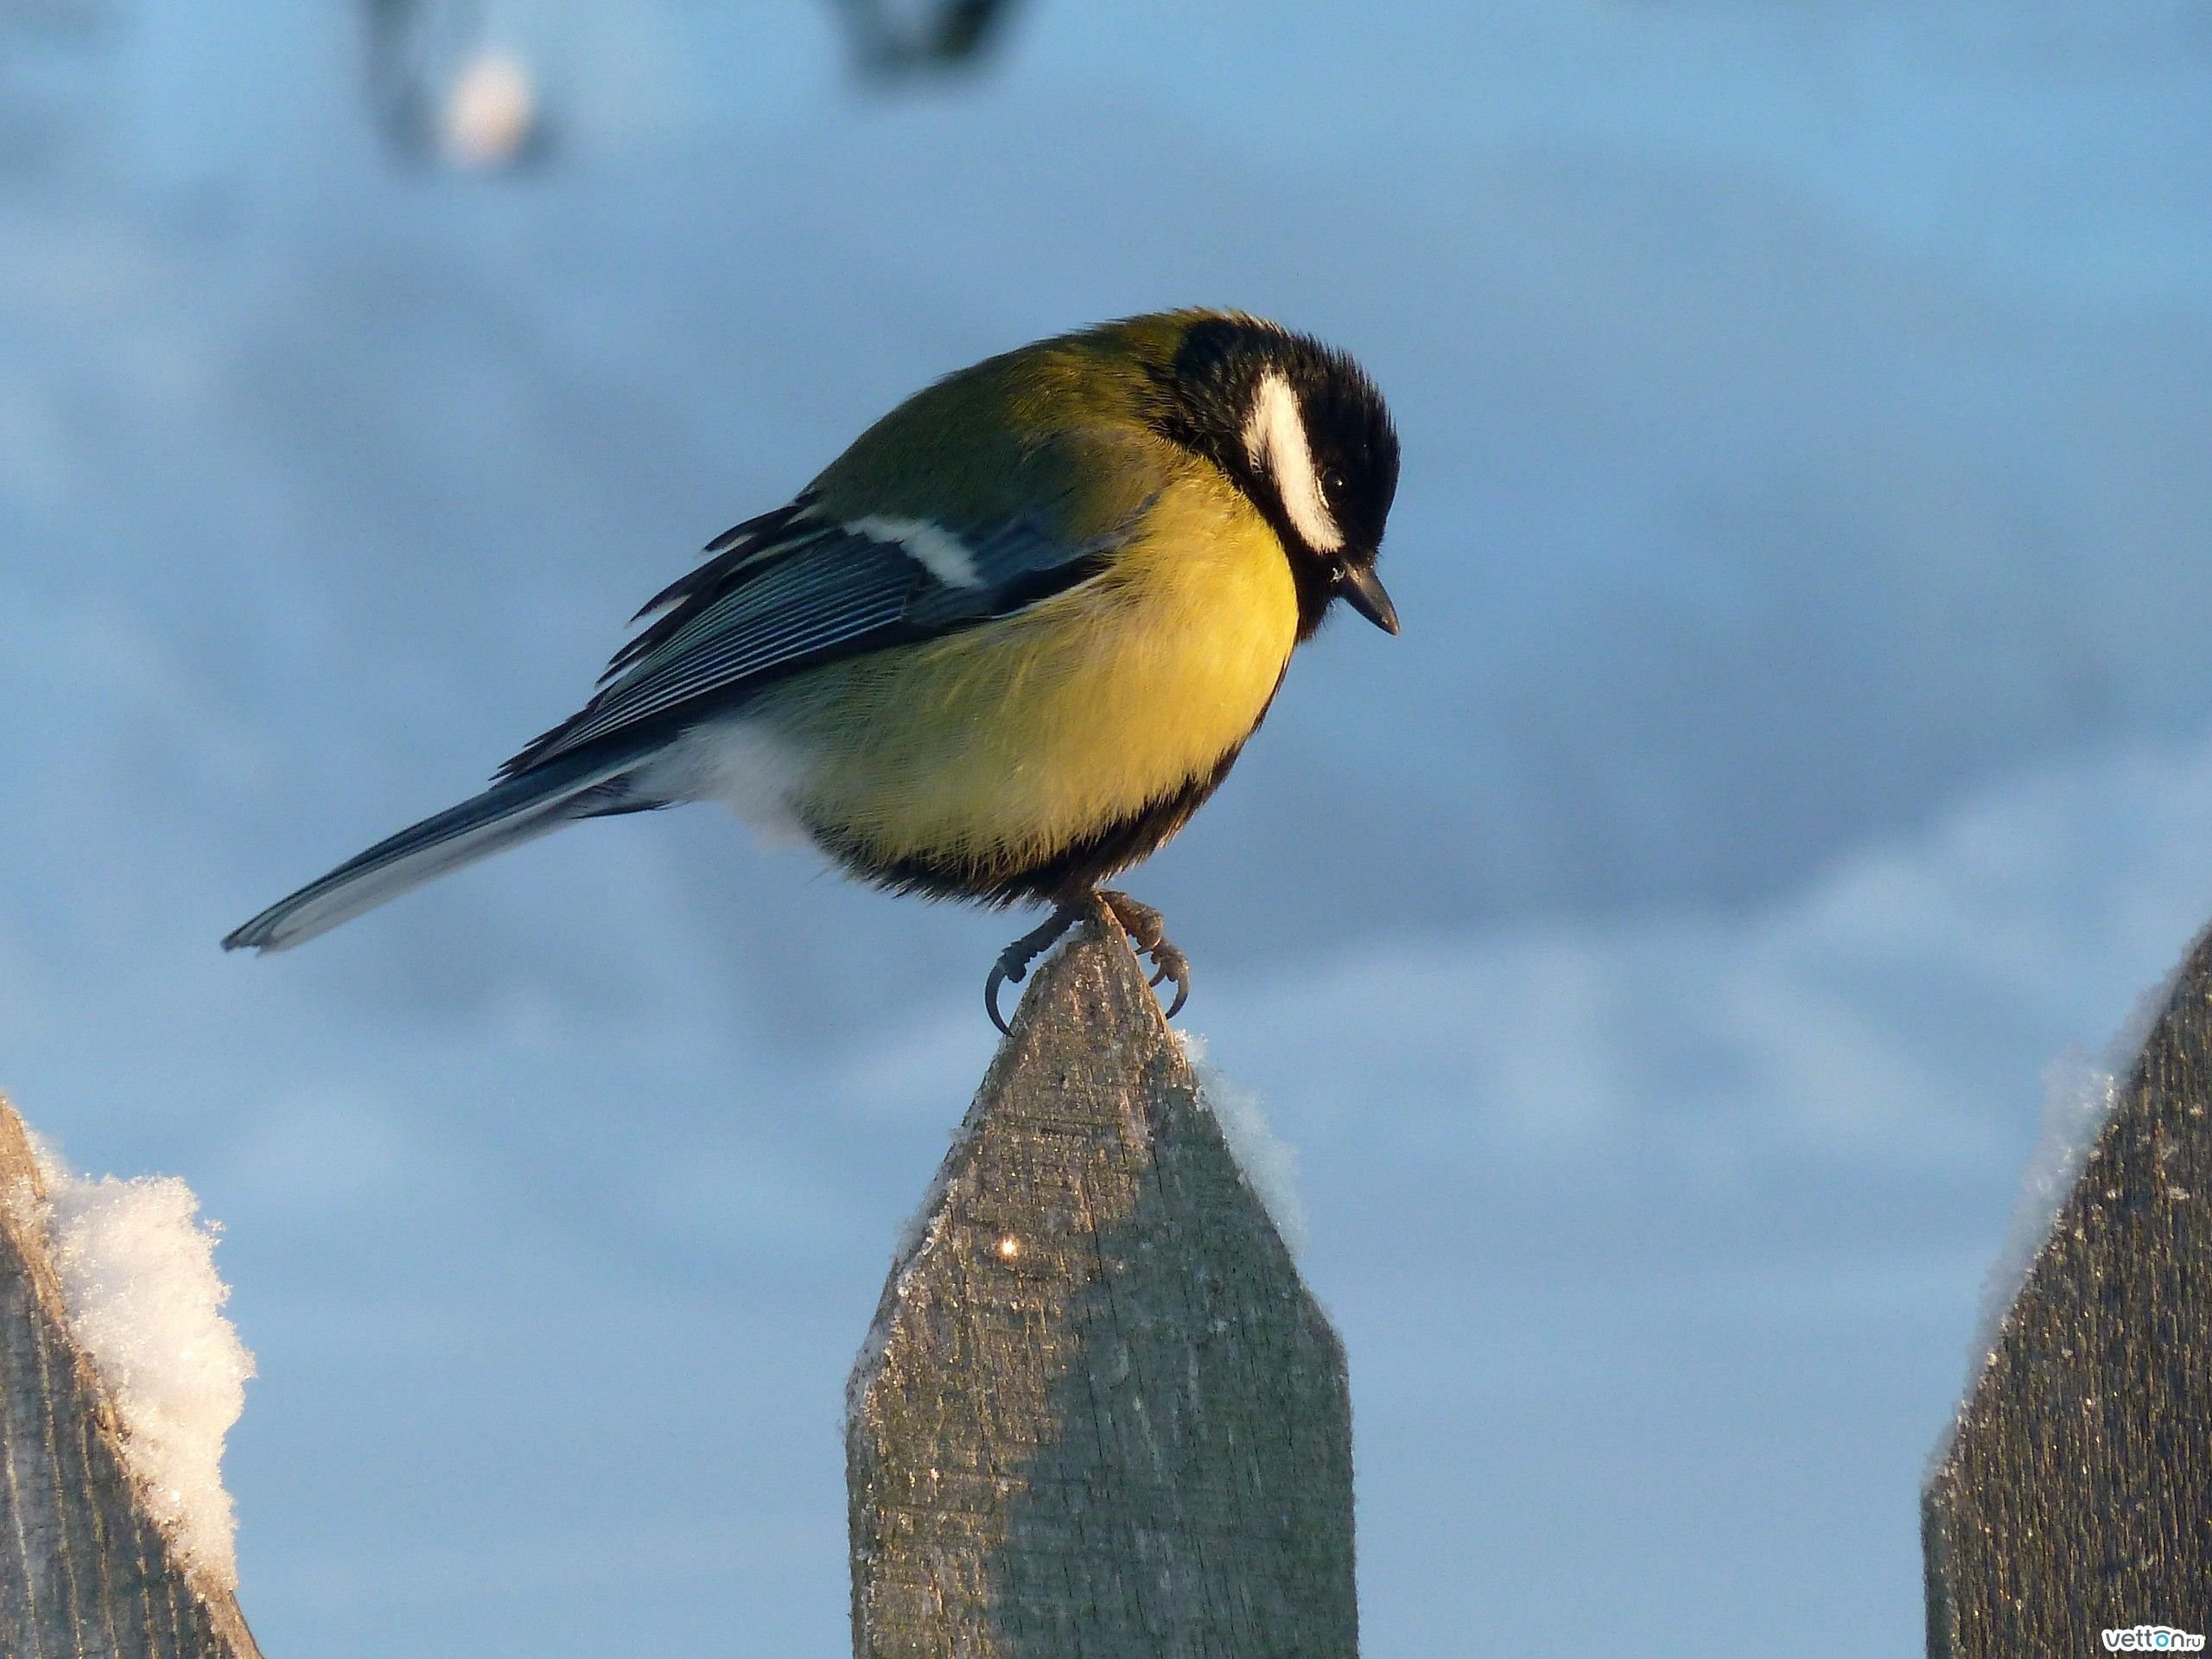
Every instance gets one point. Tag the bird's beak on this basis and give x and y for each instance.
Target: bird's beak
(1361, 589)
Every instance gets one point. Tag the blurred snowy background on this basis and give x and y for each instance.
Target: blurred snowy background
(1801, 734)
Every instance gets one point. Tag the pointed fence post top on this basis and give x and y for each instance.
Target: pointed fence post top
(1088, 1014)
(2073, 1495)
(1098, 1413)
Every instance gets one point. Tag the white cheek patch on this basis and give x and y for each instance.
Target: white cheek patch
(1275, 440)
(941, 553)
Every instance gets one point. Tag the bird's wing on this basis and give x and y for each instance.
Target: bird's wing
(803, 586)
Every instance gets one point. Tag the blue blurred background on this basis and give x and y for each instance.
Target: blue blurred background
(1802, 733)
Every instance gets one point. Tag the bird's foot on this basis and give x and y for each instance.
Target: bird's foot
(1148, 930)
(1144, 926)
(1013, 961)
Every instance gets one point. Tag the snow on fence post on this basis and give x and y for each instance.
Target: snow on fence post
(85, 1572)
(1098, 1413)
(2074, 1494)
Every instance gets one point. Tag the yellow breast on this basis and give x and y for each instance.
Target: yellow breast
(1007, 741)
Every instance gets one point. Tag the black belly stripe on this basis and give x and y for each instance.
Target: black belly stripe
(1069, 870)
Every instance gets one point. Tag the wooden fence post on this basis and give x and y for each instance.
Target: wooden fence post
(85, 1572)
(2074, 1494)
(1098, 1413)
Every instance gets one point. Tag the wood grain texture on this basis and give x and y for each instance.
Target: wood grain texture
(2075, 1493)
(84, 1572)
(1099, 1416)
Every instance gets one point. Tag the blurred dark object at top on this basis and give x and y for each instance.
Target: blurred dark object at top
(440, 93)
(892, 41)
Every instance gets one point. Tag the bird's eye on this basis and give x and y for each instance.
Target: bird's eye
(1332, 482)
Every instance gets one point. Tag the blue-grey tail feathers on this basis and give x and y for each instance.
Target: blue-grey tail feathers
(507, 815)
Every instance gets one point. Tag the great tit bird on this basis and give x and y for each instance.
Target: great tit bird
(1001, 649)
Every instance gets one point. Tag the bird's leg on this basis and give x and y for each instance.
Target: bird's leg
(1149, 932)
(1013, 961)
(1146, 930)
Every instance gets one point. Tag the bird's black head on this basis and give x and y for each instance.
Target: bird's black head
(1304, 433)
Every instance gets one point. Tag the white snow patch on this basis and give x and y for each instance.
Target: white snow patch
(144, 1305)
(1269, 1164)
(2080, 1091)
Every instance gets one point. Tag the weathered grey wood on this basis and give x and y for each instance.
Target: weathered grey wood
(2075, 1494)
(84, 1572)
(1098, 1415)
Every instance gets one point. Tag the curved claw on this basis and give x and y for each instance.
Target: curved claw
(1148, 933)
(998, 976)
(1013, 961)
(1182, 996)
(1173, 965)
